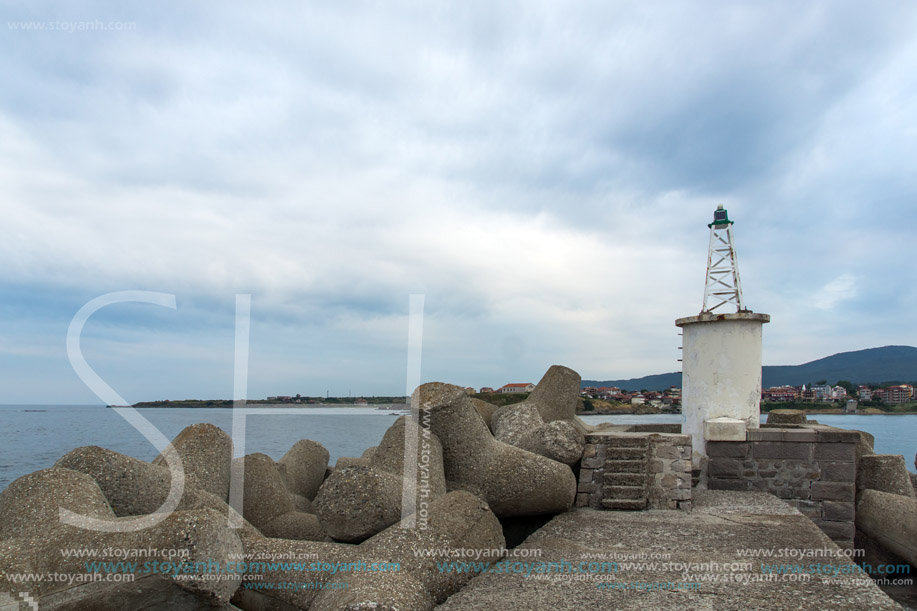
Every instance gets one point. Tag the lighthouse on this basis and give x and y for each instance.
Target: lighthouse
(721, 360)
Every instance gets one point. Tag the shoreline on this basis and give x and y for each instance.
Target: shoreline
(229, 405)
(395, 407)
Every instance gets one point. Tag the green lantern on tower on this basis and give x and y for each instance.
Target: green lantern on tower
(722, 286)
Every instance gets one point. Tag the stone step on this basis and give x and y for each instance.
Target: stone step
(624, 492)
(625, 453)
(627, 442)
(625, 466)
(624, 504)
(625, 479)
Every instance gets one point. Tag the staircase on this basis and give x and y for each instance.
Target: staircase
(625, 477)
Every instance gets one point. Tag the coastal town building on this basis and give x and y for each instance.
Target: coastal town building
(669, 398)
(510, 388)
(893, 395)
(817, 392)
(824, 393)
(609, 392)
(781, 394)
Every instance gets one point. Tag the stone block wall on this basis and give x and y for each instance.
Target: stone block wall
(591, 474)
(669, 481)
(813, 469)
(633, 471)
(674, 428)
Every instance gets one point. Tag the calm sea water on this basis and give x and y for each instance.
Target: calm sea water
(33, 437)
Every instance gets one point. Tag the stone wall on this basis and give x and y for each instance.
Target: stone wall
(635, 471)
(669, 483)
(674, 428)
(591, 474)
(813, 469)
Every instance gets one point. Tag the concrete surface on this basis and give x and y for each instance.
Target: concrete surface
(721, 523)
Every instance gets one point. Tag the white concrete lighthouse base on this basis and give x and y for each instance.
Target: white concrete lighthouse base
(721, 375)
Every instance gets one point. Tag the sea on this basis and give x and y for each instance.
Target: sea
(34, 437)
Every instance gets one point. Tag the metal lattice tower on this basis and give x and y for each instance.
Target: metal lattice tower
(723, 284)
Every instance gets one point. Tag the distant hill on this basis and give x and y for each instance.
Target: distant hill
(660, 381)
(873, 365)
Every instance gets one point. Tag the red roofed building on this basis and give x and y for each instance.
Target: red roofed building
(781, 394)
(898, 394)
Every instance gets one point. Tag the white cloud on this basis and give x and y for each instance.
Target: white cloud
(840, 289)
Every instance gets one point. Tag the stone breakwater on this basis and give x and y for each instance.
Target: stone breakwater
(468, 466)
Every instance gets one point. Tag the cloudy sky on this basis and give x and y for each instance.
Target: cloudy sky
(542, 172)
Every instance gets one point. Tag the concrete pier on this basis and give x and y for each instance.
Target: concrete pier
(710, 558)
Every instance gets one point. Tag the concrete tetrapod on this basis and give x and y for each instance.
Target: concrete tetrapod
(885, 473)
(368, 452)
(206, 452)
(890, 520)
(556, 396)
(267, 504)
(349, 461)
(513, 423)
(521, 425)
(395, 569)
(133, 487)
(559, 440)
(486, 410)
(358, 501)
(514, 482)
(556, 393)
(303, 467)
(33, 539)
(301, 503)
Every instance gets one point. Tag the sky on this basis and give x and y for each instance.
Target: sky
(541, 172)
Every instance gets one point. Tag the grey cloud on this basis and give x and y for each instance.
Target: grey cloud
(537, 171)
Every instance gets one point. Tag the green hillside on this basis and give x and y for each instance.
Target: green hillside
(870, 366)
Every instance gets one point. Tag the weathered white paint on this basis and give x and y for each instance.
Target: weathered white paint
(721, 372)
